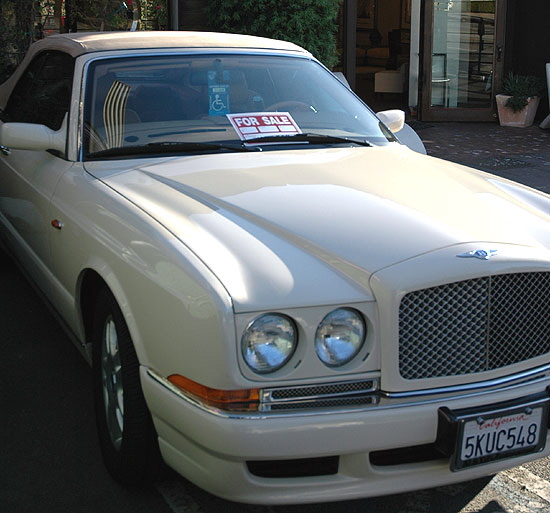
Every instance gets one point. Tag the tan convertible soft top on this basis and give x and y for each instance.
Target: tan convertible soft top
(86, 42)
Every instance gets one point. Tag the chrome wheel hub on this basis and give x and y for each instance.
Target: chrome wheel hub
(111, 377)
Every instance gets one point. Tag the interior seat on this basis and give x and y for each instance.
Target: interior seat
(156, 103)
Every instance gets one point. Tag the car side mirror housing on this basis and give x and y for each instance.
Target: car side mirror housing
(29, 136)
(394, 119)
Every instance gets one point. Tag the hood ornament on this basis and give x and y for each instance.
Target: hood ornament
(482, 254)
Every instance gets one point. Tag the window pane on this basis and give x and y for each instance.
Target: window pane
(138, 100)
(43, 92)
(463, 48)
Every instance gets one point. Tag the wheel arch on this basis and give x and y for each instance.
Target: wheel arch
(89, 285)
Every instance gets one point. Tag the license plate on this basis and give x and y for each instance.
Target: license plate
(486, 437)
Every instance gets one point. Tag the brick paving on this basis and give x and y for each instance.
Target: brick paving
(520, 154)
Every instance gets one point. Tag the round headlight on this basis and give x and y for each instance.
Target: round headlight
(340, 337)
(268, 343)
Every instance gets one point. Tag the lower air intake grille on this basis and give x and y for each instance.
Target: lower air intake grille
(308, 467)
(474, 325)
(347, 394)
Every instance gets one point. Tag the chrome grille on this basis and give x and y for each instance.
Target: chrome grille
(330, 395)
(474, 325)
(331, 389)
(325, 403)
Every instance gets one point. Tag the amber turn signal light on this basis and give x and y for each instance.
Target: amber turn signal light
(229, 400)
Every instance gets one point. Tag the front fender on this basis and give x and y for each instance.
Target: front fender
(179, 315)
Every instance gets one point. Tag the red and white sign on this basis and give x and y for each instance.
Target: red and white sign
(263, 124)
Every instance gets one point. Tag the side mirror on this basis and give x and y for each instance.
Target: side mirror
(28, 136)
(393, 119)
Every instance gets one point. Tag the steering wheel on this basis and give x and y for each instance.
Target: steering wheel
(290, 105)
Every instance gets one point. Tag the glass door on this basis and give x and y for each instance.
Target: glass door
(462, 59)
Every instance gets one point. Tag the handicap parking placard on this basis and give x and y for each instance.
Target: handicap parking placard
(218, 93)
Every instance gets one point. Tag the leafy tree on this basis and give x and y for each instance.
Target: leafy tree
(308, 23)
(16, 34)
(97, 15)
(25, 21)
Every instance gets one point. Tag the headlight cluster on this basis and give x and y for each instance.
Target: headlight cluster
(270, 340)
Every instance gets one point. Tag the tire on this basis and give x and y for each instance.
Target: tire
(125, 429)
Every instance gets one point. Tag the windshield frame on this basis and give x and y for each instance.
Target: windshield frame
(93, 58)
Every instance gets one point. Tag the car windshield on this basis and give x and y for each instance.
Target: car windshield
(143, 106)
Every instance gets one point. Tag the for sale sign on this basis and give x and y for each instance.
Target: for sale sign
(263, 124)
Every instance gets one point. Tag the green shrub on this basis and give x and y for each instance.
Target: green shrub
(520, 88)
(308, 23)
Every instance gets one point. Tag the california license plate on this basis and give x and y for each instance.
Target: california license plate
(486, 437)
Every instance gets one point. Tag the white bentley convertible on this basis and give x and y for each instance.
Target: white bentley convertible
(278, 298)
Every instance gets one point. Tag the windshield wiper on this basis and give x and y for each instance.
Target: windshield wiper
(308, 137)
(167, 147)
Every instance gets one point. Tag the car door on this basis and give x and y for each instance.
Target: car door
(28, 178)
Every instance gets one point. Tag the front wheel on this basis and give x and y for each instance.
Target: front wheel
(126, 433)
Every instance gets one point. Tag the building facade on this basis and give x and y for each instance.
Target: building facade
(443, 60)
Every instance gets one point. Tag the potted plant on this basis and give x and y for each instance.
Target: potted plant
(518, 103)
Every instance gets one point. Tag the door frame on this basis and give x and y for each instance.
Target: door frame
(428, 112)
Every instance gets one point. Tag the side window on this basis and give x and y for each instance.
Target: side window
(43, 93)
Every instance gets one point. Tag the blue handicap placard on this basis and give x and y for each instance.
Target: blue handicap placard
(218, 93)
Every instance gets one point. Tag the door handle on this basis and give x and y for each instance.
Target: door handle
(5, 150)
(499, 53)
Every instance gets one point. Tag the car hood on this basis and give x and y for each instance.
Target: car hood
(310, 226)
